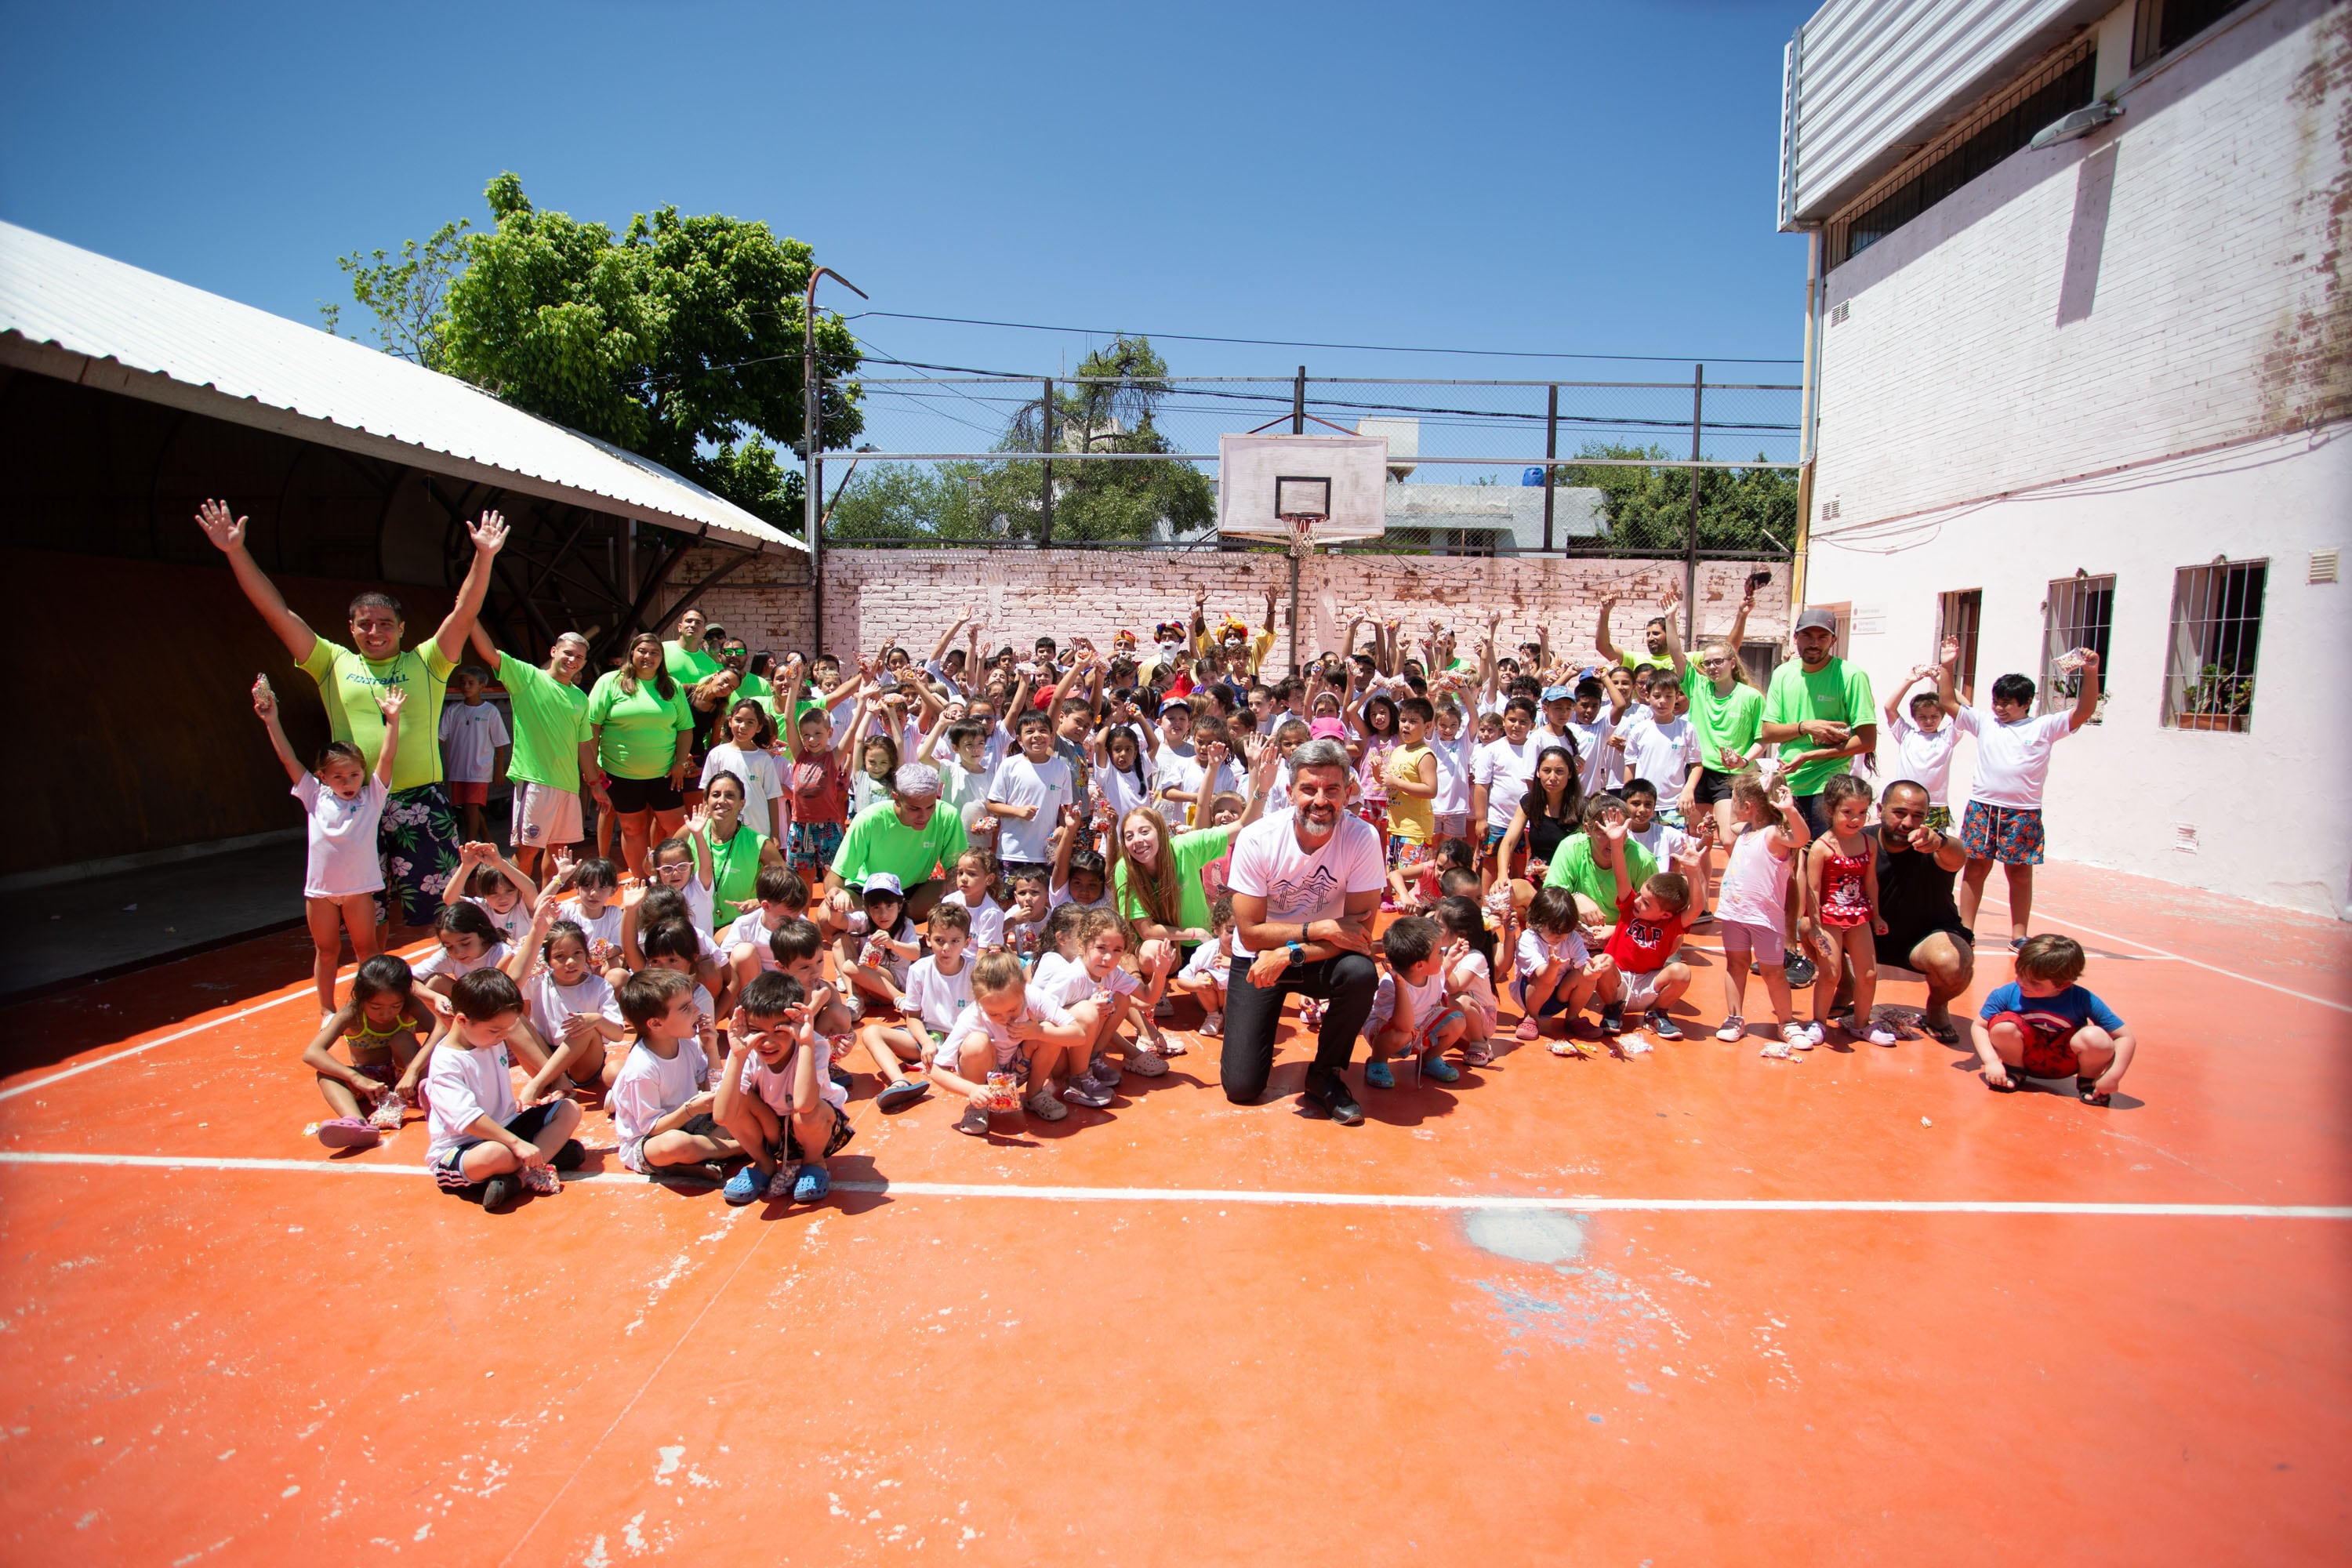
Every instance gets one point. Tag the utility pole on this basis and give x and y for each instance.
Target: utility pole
(1690, 556)
(1551, 450)
(1046, 445)
(812, 447)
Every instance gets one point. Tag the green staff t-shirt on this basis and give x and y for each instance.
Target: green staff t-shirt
(641, 727)
(1192, 851)
(550, 719)
(347, 685)
(1724, 723)
(877, 841)
(1838, 691)
(1574, 868)
(688, 665)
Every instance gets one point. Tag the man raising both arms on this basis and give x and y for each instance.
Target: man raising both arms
(418, 833)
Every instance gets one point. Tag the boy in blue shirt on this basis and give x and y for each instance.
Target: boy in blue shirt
(2044, 1024)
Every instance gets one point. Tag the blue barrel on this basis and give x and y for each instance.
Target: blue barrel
(1531, 477)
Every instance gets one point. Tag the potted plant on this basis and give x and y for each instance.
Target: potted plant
(2218, 698)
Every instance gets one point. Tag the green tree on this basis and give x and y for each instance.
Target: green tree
(681, 338)
(408, 296)
(1649, 508)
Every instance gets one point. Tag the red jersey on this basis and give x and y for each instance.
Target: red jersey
(1638, 946)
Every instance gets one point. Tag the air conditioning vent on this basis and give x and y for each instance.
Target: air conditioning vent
(1838, 315)
(2323, 566)
(1829, 511)
(2184, 838)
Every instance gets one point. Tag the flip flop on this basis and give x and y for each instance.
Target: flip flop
(1943, 1033)
(903, 1093)
(349, 1132)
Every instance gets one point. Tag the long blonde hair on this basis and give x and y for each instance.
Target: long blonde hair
(1161, 890)
(1739, 675)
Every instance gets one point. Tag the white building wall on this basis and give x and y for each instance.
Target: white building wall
(2128, 354)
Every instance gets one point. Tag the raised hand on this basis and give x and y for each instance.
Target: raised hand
(1783, 799)
(697, 819)
(1670, 598)
(225, 530)
(1949, 653)
(265, 698)
(392, 700)
(489, 534)
(1613, 828)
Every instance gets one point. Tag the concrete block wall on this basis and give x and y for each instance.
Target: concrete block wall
(2167, 284)
(913, 596)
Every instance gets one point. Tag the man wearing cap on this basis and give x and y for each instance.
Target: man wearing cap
(906, 836)
(1819, 711)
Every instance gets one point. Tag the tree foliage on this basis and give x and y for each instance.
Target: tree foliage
(679, 338)
(1110, 406)
(1649, 509)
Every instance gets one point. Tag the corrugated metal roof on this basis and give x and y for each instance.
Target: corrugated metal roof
(1876, 79)
(255, 368)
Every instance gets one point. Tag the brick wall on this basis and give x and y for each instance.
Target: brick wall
(913, 596)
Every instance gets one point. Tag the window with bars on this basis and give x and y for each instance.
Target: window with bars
(2217, 630)
(1957, 615)
(2078, 614)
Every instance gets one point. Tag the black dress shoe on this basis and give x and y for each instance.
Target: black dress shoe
(1331, 1094)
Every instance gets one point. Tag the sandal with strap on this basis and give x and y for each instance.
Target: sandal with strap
(2091, 1092)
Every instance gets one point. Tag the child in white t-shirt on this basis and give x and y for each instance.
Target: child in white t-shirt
(2003, 822)
(567, 1003)
(1924, 738)
(663, 1120)
(776, 1098)
(744, 753)
(1552, 971)
(595, 908)
(1661, 747)
(1665, 841)
(472, 736)
(1469, 971)
(975, 875)
(671, 944)
(1205, 973)
(480, 1141)
(1411, 1015)
(1024, 923)
(496, 886)
(344, 802)
(937, 988)
(1013, 1029)
(783, 899)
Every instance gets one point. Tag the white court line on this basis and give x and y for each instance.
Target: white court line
(303, 989)
(2237, 975)
(1432, 1201)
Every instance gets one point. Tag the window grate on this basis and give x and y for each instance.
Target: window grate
(2079, 613)
(2216, 629)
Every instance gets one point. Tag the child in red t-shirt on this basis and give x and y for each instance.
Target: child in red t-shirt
(1642, 946)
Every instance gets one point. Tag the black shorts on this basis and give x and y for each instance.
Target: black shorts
(630, 796)
(1712, 786)
(1893, 949)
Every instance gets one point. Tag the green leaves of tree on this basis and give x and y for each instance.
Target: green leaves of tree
(1649, 509)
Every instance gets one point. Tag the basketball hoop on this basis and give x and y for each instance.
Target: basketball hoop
(1302, 501)
(1302, 528)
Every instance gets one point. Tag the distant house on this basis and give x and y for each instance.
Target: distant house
(1489, 520)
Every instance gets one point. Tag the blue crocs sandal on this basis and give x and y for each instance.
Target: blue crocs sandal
(745, 1186)
(1376, 1076)
(813, 1184)
(1437, 1067)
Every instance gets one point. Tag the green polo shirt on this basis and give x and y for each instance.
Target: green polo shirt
(347, 685)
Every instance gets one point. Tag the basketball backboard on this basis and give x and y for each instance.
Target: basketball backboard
(1261, 477)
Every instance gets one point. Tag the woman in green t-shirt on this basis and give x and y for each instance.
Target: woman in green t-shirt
(644, 730)
(737, 852)
(1156, 875)
(1728, 714)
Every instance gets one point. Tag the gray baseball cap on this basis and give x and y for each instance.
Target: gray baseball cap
(1817, 621)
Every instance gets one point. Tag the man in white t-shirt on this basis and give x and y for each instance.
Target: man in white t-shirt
(1027, 794)
(2004, 815)
(1305, 885)
(1500, 771)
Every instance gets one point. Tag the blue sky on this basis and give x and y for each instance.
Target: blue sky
(1553, 177)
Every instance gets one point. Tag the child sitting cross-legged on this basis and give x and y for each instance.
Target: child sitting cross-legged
(1470, 974)
(798, 948)
(1085, 976)
(1204, 974)
(1552, 970)
(939, 986)
(378, 1024)
(782, 897)
(1011, 1029)
(775, 1098)
(494, 884)
(480, 1140)
(2046, 1024)
(878, 946)
(1412, 1015)
(1644, 974)
(675, 945)
(567, 1003)
(664, 1121)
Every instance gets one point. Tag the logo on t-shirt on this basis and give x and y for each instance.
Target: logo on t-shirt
(1287, 898)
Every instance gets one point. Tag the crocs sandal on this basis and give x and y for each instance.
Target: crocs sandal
(903, 1093)
(1530, 1030)
(1944, 1034)
(2090, 1091)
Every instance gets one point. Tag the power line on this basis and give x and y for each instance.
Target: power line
(1300, 344)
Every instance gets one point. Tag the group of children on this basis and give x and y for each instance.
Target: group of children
(715, 1030)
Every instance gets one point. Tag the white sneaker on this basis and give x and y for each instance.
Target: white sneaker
(1815, 1035)
(1801, 1037)
(1734, 1028)
(1880, 1035)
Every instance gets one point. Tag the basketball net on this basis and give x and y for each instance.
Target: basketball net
(1302, 530)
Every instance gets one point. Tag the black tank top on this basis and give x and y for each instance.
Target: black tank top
(1915, 894)
(1545, 835)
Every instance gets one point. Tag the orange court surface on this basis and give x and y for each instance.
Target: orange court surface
(1697, 1307)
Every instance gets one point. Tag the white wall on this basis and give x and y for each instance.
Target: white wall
(2126, 354)
(2269, 804)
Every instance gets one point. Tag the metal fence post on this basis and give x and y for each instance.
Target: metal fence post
(1690, 557)
(1046, 444)
(1298, 403)
(1551, 450)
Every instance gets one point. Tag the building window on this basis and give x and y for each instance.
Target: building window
(2078, 614)
(2217, 630)
(2161, 27)
(2009, 123)
(1958, 615)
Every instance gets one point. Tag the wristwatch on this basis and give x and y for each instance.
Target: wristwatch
(1298, 951)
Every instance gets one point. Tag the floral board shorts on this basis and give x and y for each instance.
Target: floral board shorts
(416, 839)
(2010, 836)
(814, 847)
(1405, 855)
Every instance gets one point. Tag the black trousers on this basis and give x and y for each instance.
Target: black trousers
(1346, 982)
